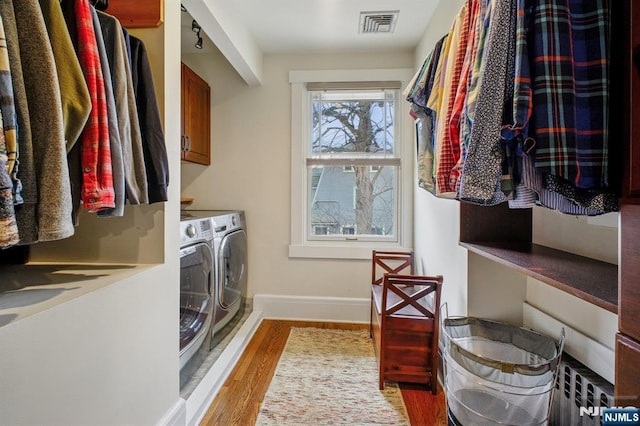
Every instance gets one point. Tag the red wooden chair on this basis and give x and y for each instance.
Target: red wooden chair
(390, 262)
(387, 262)
(405, 324)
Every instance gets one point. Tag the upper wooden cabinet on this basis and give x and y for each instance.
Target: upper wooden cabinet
(137, 14)
(196, 118)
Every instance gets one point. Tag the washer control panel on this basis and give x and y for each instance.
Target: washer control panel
(194, 230)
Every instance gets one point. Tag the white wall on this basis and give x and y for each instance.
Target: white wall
(109, 356)
(436, 221)
(250, 170)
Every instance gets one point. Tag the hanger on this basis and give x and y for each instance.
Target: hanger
(100, 4)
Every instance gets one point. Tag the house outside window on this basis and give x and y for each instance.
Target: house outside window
(350, 191)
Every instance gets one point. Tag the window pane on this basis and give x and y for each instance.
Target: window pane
(356, 200)
(352, 122)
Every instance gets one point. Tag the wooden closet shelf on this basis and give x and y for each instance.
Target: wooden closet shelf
(591, 280)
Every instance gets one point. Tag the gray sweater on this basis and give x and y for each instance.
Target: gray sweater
(49, 212)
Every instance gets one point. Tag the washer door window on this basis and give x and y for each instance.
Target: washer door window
(195, 293)
(233, 268)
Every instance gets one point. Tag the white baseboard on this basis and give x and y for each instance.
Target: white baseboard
(176, 416)
(588, 351)
(331, 309)
(204, 394)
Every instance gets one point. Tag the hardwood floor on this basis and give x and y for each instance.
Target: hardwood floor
(239, 399)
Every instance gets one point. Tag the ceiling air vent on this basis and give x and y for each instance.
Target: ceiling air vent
(378, 22)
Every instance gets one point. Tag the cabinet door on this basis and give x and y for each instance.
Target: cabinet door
(137, 14)
(196, 124)
(629, 287)
(627, 388)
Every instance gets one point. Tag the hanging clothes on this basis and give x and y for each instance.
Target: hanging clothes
(97, 175)
(435, 102)
(8, 227)
(540, 188)
(25, 214)
(74, 94)
(74, 155)
(448, 153)
(518, 112)
(60, 144)
(115, 144)
(569, 50)
(153, 142)
(128, 125)
(424, 128)
(526, 120)
(475, 78)
(454, 124)
(483, 168)
(532, 178)
(598, 201)
(9, 118)
(425, 117)
(49, 216)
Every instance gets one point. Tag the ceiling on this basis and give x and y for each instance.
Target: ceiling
(294, 26)
(301, 26)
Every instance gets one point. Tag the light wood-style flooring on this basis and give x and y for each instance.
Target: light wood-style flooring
(239, 399)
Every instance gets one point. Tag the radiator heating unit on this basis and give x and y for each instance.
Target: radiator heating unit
(580, 395)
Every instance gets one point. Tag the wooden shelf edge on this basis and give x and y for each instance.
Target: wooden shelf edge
(591, 280)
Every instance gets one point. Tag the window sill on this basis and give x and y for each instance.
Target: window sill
(325, 251)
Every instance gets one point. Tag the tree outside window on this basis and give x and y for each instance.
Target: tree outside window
(352, 164)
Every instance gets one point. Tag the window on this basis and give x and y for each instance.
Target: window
(351, 155)
(350, 192)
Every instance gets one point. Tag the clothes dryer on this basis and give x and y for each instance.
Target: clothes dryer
(230, 253)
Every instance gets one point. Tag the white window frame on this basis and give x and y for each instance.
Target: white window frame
(300, 245)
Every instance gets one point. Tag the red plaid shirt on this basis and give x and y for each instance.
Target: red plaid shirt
(97, 177)
(450, 149)
(461, 93)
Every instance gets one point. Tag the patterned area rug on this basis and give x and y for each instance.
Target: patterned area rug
(330, 377)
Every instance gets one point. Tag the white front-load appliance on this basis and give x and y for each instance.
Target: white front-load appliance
(230, 253)
(197, 280)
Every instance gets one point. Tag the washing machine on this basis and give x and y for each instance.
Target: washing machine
(230, 254)
(197, 281)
